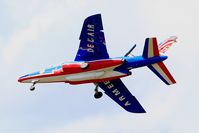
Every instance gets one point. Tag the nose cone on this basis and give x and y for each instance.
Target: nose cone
(22, 78)
(19, 80)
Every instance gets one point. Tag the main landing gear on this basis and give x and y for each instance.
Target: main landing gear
(32, 87)
(97, 94)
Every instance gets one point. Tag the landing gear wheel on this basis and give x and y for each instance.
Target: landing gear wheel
(32, 88)
(98, 95)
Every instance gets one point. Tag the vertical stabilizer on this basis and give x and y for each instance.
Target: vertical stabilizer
(151, 50)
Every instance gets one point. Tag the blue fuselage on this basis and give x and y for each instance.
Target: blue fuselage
(140, 61)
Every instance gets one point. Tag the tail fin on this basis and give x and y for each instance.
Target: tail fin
(151, 50)
(165, 45)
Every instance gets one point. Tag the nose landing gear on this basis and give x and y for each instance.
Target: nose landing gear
(32, 87)
(98, 94)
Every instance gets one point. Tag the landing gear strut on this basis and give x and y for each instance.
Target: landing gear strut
(32, 88)
(97, 94)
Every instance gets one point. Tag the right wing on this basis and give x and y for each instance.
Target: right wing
(118, 92)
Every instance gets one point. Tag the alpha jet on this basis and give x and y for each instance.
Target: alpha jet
(92, 64)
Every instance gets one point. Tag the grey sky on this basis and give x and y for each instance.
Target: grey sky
(35, 34)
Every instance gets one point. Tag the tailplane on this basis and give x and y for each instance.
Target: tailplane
(151, 50)
(162, 72)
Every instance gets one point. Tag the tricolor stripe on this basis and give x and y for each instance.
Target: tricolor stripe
(75, 69)
(150, 48)
(162, 72)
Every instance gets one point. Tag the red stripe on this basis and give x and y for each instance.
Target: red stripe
(75, 68)
(93, 65)
(166, 71)
(155, 47)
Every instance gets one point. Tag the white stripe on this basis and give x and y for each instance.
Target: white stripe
(150, 48)
(162, 73)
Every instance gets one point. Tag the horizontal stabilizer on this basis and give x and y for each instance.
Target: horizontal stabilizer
(162, 72)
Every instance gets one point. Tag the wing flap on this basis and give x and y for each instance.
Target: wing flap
(118, 92)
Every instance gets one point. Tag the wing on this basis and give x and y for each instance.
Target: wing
(92, 41)
(117, 91)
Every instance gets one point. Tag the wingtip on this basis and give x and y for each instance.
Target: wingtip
(136, 108)
(137, 111)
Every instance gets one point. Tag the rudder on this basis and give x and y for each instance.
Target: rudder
(150, 48)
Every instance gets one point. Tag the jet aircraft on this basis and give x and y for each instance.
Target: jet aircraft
(93, 64)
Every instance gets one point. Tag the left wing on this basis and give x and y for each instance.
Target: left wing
(92, 40)
(117, 91)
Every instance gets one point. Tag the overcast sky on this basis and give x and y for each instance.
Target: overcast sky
(35, 34)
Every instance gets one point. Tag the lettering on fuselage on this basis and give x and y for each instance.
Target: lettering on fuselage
(116, 93)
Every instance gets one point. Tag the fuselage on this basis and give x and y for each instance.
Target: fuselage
(91, 71)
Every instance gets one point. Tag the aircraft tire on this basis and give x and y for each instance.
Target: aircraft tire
(98, 95)
(32, 88)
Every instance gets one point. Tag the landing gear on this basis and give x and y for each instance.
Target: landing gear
(97, 94)
(32, 88)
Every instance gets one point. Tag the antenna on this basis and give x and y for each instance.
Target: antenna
(129, 52)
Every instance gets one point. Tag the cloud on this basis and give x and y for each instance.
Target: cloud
(51, 14)
(169, 108)
(161, 117)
